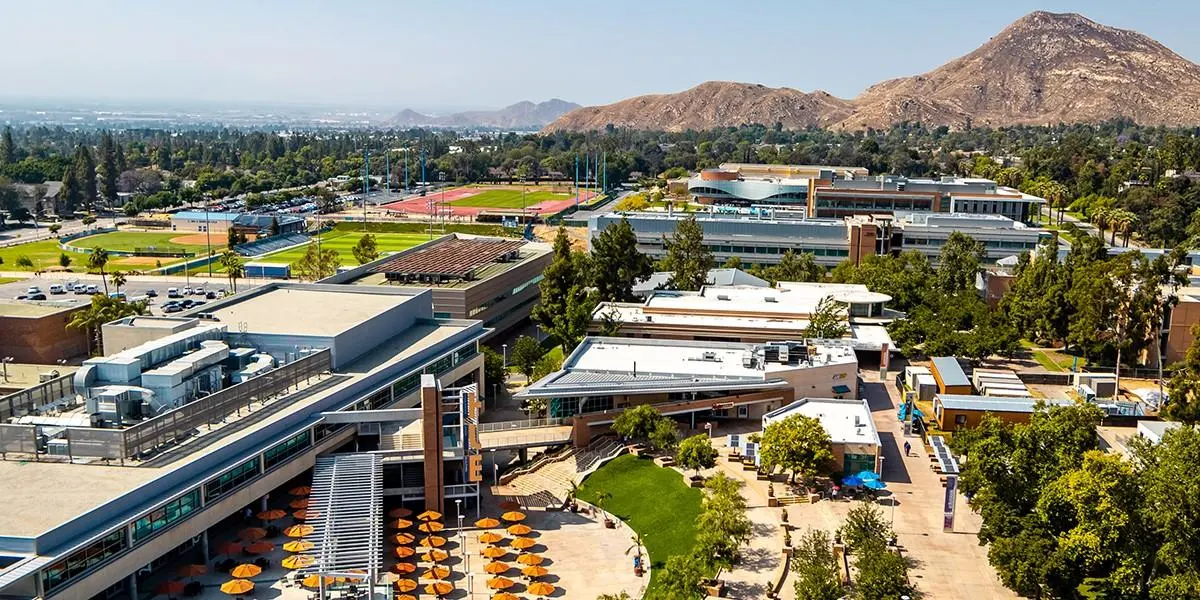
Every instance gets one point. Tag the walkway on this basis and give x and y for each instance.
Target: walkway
(762, 557)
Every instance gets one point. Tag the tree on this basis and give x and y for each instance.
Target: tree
(695, 453)
(828, 322)
(880, 574)
(815, 567)
(723, 526)
(96, 261)
(795, 267)
(365, 250)
(958, 263)
(317, 264)
(108, 169)
(526, 352)
(54, 229)
(494, 371)
(681, 576)
(103, 309)
(234, 268)
(687, 257)
(1183, 397)
(864, 525)
(274, 227)
(565, 306)
(798, 444)
(85, 172)
(637, 423)
(64, 260)
(1171, 506)
(623, 595)
(72, 191)
(8, 149)
(665, 434)
(616, 264)
(118, 280)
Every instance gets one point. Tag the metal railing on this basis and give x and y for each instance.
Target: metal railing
(31, 399)
(523, 424)
(518, 439)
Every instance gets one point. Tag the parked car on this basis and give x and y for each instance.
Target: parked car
(211, 295)
(33, 289)
(173, 293)
(198, 303)
(57, 289)
(151, 293)
(172, 308)
(186, 304)
(197, 291)
(187, 291)
(92, 289)
(38, 296)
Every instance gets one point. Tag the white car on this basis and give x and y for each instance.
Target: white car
(57, 289)
(173, 293)
(33, 289)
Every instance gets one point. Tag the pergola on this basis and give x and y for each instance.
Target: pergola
(347, 537)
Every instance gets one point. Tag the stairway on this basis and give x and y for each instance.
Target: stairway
(554, 479)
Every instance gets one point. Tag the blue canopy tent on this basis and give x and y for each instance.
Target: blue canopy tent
(874, 484)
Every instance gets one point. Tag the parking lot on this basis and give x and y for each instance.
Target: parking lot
(133, 289)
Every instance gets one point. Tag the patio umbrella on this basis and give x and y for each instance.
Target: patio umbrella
(506, 596)
(352, 579)
(388, 578)
(313, 581)
(434, 541)
(273, 514)
(400, 513)
(509, 505)
(852, 480)
(252, 534)
(298, 561)
(245, 571)
(487, 523)
(436, 573)
(305, 514)
(519, 529)
(405, 597)
(301, 490)
(430, 527)
(874, 484)
(170, 588)
(530, 559)
(192, 570)
(540, 588)
(429, 515)
(439, 588)
(494, 552)
(500, 583)
(490, 538)
(867, 475)
(229, 548)
(404, 551)
(435, 556)
(237, 587)
(513, 516)
(496, 568)
(523, 543)
(299, 503)
(403, 539)
(260, 547)
(535, 571)
(404, 568)
(296, 531)
(400, 524)
(298, 546)
(405, 585)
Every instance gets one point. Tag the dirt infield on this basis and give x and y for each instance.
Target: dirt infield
(198, 239)
(140, 261)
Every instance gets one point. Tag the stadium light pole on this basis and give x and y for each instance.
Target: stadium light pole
(366, 183)
(207, 239)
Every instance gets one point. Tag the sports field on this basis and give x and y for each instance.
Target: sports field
(127, 241)
(343, 241)
(44, 255)
(468, 201)
(509, 198)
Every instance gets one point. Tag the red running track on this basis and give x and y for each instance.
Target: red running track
(421, 206)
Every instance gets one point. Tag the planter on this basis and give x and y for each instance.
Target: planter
(772, 502)
(610, 524)
(787, 551)
(713, 587)
(638, 571)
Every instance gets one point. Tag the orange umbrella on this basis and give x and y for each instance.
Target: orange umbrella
(513, 515)
(487, 523)
(501, 583)
(439, 588)
(298, 561)
(260, 547)
(298, 546)
(273, 514)
(535, 571)
(252, 534)
(431, 527)
(229, 548)
(494, 552)
(299, 503)
(434, 541)
(403, 567)
(352, 579)
(313, 581)
(404, 552)
(301, 490)
(523, 543)
(429, 515)
(405, 585)
(435, 556)
(509, 505)
(496, 568)
(400, 513)
(305, 514)
(245, 571)
(298, 531)
(520, 529)
(170, 588)
(530, 559)
(400, 524)
(436, 573)
(192, 570)
(540, 588)
(237, 587)
(405, 597)
(506, 596)
(403, 538)
(490, 538)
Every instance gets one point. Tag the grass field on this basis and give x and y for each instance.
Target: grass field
(4, 280)
(343, 241)
(654, 502)
(44, 254)
(1053, 360)
(508, 198)
(129, 240)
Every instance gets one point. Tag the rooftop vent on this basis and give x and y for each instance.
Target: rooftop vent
(722, 297)
(770, 299)
(709, 356)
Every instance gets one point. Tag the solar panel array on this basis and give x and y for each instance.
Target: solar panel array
(946, 461)
(455, 258)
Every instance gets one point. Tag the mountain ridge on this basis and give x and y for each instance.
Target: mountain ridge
(523, 114)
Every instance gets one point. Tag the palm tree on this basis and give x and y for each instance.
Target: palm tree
(636, 547)
(1128, 222)
(103, 309)
(118, 280)
(96, 260)
(1100, 218)
(234, 269)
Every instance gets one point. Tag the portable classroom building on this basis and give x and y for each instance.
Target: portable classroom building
(950, 377)
(926, 386)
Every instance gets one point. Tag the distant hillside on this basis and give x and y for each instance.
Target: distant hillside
(1043, 68)
(522, 115)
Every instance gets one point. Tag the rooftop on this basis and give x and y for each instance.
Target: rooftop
(846, 421)
(309, 311)
(455, 257)
(200, 215)
(949, 371)
(658, 279)
(995, 403)
(26, 308)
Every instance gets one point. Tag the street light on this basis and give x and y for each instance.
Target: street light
(504, 347)
(7, 359)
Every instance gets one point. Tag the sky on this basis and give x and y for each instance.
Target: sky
(444, 55)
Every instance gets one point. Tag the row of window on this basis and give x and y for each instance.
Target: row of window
(286, 449)
(716, 248)
(231, 479)
(166, 515)
(83, 560)
(1003, 244)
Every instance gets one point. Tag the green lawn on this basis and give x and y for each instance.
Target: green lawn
(654, 502)
(43, 254)
(1053, 360)
(343, 241)
(508, 198)
(4, 280)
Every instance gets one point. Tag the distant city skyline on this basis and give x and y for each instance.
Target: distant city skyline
(449, 56)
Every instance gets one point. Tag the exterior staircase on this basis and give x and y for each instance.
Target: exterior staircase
(550, 483)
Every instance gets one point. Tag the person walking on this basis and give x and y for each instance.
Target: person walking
(907, 447)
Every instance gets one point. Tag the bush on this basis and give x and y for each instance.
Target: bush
(24, 261)
(64, 260)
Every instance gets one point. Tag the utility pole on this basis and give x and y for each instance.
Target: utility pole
(576, 180)
(366, 183)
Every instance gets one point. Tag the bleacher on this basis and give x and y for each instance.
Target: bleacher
(271, 244)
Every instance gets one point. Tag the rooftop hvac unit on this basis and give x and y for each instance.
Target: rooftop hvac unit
(748, 360)
(649, 318)
(58, 447)
(722, 297)
(47, 376)
(770, 299)
(709, 356)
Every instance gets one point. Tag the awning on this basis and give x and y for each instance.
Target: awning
(841, 389)
(347, 537)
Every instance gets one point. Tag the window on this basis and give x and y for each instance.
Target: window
(441, 315)
(960, 419)
(83, 560)
(231, 479)
(165, 516)
(285, 450)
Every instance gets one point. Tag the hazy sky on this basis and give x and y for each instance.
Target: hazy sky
(453, 54)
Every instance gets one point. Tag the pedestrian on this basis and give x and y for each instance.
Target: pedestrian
(247, 514)
(907, 447)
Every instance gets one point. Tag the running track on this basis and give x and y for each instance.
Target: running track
(422, 205)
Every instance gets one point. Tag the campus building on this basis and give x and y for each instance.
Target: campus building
(963, 411)
(37, 332)
(494, 280)
(691, 380)
(132, 461)
(220, 222)
(852, 434)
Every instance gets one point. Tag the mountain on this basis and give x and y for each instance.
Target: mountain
(1043, 68)
(522, 115)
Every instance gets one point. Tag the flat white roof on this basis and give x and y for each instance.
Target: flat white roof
(846, 421)
(306, 311)
(620, 354)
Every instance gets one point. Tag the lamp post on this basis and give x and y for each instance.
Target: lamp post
(7, 359)
(504, 347)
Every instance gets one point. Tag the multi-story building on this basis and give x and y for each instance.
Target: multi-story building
(37, 332)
